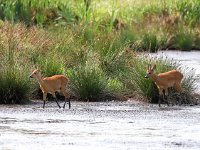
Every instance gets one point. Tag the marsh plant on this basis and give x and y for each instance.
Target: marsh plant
(183, 40)
(14, 82)
(89, 41)
(87, 83)
(150, 42)
(189, 11)
(51, 65)
(112, 55)
(135, 81)
(14, 85)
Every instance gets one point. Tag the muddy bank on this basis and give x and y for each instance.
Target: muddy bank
(110, 125)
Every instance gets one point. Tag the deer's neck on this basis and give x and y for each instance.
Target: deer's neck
(154, 77)
(41, 83)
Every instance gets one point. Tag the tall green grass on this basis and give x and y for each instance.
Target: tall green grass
(51, 64)
(150, 43)
(87, 83)
(14, 81)
(183, 41)
(189, 11)
(98, 64)
(134, 18)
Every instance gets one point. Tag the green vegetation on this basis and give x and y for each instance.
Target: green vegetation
(87, 83)
(95, 43)
(14, 84)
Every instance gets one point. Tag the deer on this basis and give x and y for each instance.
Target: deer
(165, 80)
(51, 85)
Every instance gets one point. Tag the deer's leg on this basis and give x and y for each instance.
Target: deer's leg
(63, 90)
(159, 100)
(66, 102)
(44, 99)
(178, 89)
(160, 96)
(166, 95)
(54, 96)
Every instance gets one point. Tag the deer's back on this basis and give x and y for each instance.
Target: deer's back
(56, 82)
(171, 75)
(168, 79)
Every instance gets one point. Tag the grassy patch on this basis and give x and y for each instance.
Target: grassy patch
(94, 42)
(14, 81)
(183, 41)
(87, 83)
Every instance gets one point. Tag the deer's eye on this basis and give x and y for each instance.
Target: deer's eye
(35, 73)
(149, 72)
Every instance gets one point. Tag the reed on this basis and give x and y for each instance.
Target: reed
(92, 42)
(14, 82)
(87, 83)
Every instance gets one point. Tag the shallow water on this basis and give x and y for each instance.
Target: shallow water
(111, 125)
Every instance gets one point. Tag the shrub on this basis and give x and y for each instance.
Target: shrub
(51, 65)
(135, 79)
(87, 83)
(150, 42)
(88, 34)
(183, 41)
(115, 87)
(14, 86)
(112, 55)
(197, 43)
(127, 36)
(14, 81)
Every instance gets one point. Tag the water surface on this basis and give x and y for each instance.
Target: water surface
(112, 125)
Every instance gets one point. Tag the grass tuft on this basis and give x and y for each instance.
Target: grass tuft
(183, 41)
(14, 81)
(87, 83)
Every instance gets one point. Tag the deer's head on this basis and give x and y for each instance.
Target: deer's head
(36, 74)
(150, 71)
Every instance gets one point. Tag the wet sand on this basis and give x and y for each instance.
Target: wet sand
(110, 125)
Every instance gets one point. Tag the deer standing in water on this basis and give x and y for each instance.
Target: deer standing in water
(165, 80)
(51, 85)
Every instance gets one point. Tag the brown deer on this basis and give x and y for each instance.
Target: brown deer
(165, 80)
(51, 85)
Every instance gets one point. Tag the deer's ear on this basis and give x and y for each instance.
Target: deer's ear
(149, 66)
(154, 67)
(36, 67)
